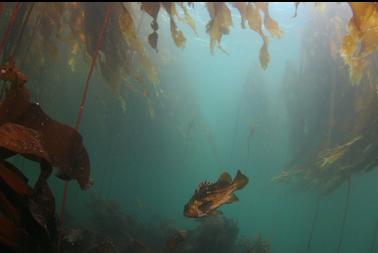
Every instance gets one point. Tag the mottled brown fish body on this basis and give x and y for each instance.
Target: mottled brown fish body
(208, 197)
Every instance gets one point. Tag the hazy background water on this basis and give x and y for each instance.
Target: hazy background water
(201, 128)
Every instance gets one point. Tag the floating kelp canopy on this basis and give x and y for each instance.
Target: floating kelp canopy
(66, 33)
(334, 125)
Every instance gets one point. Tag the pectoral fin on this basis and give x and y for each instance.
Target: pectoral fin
(233, 198)
(215, 213)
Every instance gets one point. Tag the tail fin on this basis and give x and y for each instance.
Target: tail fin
(240, 180)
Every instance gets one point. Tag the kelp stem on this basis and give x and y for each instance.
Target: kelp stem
(346, 207)
(12, 20)
(236, 126)
(375, 232)
(22, 30)
(83, 100)
(314, 221)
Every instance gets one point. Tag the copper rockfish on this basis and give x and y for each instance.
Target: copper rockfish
(208, 197)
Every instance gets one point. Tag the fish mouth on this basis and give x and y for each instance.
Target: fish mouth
(188, 213)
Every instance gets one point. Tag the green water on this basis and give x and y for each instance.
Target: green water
(151, 166)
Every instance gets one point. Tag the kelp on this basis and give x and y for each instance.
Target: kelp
(14, 179)
(177, 35)
(67, 33)
(362, 38)
(27, 217)
(220, 22)
(28, 214)
(74, 27)
(250, 12)
(15, 138)
(316, 108)
(26, 129)
(257, 246)
(152, 9)
(330, 168)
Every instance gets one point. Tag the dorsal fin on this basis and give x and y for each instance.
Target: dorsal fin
(225, 178)
(203, 184)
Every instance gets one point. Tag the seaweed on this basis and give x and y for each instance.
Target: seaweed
(28, 214)
(257, 246)
(28, 130)
(324, 163)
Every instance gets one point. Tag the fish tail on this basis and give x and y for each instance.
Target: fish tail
(240, 180)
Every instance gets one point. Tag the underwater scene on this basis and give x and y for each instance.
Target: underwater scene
(188, 127)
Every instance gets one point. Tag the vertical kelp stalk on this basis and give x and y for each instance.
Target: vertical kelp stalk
(187, 139)
(34, 32)
(314, 221)
(213, 147)
(107, 188)
(22, 30)
(375, 233)
(4, 41)
(248, 148)
(236, 126)
(10, 26)
(83, 100)
(276, 214)
(346, 207)
(331, 112)
(249, 139)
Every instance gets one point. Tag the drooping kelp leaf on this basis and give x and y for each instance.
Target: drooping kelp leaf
(219, 24)
(187, 18)
(11, 176)
(254, 22)
(22, 140)
(242, 8)
(42, 202)
(152, 9)
(153, 40)
(270, 24)
(31, 211)
(296, 4)
(8, 209)
(177, 35)
(128, 30)
(12, 236)
(362, 38)
(63, 145)
(253, 17)
(264, 54)
(131, 37)
(27, 130)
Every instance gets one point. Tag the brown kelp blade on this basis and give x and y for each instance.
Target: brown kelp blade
(62, 143)
(11, 236)
(39, 137)
(22, 140)
(8, 209)
(11, 176)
